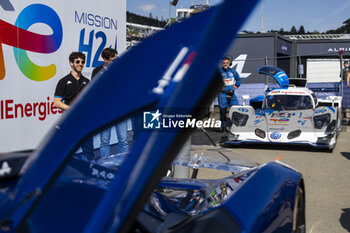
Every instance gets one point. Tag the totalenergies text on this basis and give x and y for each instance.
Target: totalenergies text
(9, 109)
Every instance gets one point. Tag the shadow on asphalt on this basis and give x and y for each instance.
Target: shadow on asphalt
(345, 154)
(200, 138)
(345, 219)
(282, 147)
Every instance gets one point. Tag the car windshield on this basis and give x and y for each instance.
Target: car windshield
(288, 102)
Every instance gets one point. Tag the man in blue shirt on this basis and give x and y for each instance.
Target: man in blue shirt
(227, 96)
(346, 74)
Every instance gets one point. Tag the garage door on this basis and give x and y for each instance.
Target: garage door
(323, 70)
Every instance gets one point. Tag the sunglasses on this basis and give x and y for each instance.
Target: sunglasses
(79, 61)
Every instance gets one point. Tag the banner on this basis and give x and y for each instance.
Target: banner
(36, 38)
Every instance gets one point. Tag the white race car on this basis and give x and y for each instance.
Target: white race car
(286, 115)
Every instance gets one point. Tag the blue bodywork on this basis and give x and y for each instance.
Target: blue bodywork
(278, 74)
(58, 192)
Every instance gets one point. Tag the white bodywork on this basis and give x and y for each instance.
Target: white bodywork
(290, 115)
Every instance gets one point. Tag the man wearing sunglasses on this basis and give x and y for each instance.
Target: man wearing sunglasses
(109, 55)
(69, 87)
(72, 84)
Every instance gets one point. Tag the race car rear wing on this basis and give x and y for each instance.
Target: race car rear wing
(279, 75)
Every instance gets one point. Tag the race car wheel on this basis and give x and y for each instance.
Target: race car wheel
(339, 124)
(299, 212)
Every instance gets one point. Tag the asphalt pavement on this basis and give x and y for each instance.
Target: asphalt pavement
(326, 175)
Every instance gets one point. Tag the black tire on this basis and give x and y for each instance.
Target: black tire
(339, 124)
(299, 223)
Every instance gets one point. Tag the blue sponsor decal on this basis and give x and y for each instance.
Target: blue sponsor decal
(332, 109)
(320, 111)
(258, 121)
(259, 112)
(275, 135)
(302, 122)
(269, 111)
(243, 109)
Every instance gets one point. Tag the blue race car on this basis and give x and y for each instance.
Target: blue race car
(55, 190)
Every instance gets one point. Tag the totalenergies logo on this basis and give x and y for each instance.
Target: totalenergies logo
(23, 40)
(281, 120)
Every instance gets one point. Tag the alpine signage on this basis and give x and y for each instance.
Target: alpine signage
(324, 49)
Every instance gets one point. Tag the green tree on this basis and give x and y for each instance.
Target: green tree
(293, 30)
(281, 31)
(343, 29)
(138, 19)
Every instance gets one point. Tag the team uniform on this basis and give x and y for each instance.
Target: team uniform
(345, 75)
(231, 78)
(346, 90)
(98, 70)
(67, 89)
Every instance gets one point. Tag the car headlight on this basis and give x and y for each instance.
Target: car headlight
(239, 119)
(260, 133)
(294, 134)
(322, 120)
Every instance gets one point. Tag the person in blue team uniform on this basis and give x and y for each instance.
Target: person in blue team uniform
(227, 96)
(346, 74)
